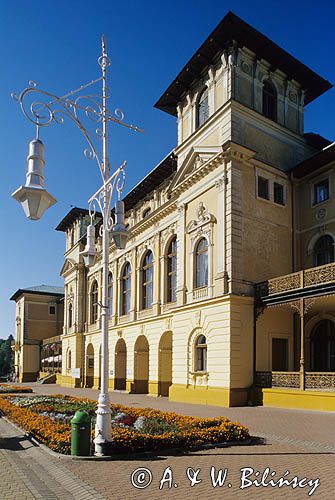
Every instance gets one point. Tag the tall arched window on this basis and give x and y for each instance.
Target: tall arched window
(200, 354)
(324, 251)
(269, 100)
(69, 359)
(171, 270)
(110, 294)
(125, 289)
(70, 315)
(202, 108)
(201, 263)
(94, 302)
(147, 274)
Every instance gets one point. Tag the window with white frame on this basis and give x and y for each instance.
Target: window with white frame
(94, 302)
(200, 355)
(278, 193)
(263, 188)
(321, 191)
(171, 270)
(110, 294)
(126, 289)
(270, 188)
(147, 278)
(202, 108)
(70, 315)
(269, 100)
(201, 263)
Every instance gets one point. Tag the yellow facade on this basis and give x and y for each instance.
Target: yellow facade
(39, 316)
(228, 199)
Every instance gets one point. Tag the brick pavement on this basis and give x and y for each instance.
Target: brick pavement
(28, 472)
(302, 442)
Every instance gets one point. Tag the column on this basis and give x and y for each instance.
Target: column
(220, 277)
(156, 276)
(134, 287)
(181, 288)
(302, 345)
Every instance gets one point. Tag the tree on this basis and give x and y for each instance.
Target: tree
(6, 356)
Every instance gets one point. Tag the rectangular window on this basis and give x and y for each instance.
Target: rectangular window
(279, 355)
(278, 193)
(263, 188)
(321, 191)
(52, 309)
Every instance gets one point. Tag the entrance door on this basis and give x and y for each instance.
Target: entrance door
(279, 355)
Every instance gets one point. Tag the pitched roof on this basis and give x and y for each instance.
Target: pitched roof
(232, 28)
(152, 180)
(40, 290)
(320, 159)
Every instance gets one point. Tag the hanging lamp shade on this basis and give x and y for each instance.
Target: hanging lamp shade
(119, 231)
(34, 198)
(89, 254)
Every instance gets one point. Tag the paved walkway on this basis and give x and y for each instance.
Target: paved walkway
(300, 442)
(28, 472)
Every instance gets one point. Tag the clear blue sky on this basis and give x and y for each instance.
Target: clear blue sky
(57, 43)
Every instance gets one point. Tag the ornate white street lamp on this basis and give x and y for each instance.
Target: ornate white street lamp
(35, 199)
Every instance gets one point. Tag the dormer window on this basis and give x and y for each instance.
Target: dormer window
(202, 108)
(269, 100)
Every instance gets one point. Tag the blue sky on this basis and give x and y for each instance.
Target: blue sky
(57, 45)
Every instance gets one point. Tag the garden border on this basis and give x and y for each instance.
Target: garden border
(254, 440)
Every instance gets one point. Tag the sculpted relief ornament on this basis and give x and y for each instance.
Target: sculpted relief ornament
(203, 218)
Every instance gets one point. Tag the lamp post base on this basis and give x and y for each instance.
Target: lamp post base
(102, 448)
(103, 439)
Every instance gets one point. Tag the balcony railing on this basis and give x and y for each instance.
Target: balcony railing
(302, 279)
(291, 380)
(200, 293)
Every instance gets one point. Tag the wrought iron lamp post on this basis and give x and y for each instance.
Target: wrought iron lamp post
(43, 110)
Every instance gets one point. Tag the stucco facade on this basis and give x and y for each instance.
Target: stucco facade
(39, 316)
(223, 212)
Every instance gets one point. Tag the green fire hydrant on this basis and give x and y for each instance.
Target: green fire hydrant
(81, 434)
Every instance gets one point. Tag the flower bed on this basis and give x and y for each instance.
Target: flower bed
(12, 389)
(133, 429)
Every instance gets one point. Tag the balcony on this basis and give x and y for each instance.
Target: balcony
(302, 284)
(200, 293)
(291, 380)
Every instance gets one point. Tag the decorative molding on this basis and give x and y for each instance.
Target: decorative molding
(203, 218)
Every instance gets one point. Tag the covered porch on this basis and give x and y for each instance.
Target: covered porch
(295, 333)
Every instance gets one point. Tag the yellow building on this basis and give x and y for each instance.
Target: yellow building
(197, 312)
(39, 325)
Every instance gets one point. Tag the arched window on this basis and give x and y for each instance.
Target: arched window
(69, 360)
(200, 354)
(72, 238)
(201, 263)
(269, 100)
(70, 315)
(202, 108)
(171, 270)
(94, 302)
(125, 289)
(147, 274)
(110, 294)
(324, 251)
